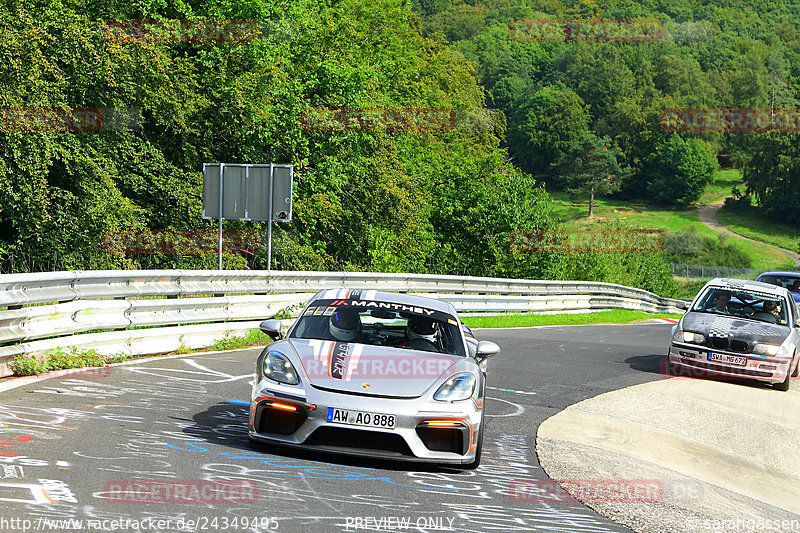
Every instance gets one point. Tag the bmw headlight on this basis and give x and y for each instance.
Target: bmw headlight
(457, 387)
(772, 350)
(688, 336)
(277, 367)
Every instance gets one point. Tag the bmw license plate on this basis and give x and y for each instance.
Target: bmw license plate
(723, 358)
(360, 418)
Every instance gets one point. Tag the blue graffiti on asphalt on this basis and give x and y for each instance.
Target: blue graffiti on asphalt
(292, 468)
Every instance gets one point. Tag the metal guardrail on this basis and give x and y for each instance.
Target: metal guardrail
(42, 321)
(56, 309)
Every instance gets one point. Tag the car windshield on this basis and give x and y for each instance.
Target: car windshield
(743, 304)
(381, 324)
(789, 282)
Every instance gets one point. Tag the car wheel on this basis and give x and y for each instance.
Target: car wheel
(785, 385)
(476, 463)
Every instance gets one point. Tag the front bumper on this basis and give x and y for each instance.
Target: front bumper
(693, 361)
(451, 439)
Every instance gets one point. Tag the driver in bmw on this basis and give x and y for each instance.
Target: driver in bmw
(722, 302)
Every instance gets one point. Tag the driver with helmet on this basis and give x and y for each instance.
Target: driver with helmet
(345, 325)
(419, 329)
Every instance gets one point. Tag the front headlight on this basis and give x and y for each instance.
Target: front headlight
(277, 367)
(689, 336)
(457, 387)
(772, 350)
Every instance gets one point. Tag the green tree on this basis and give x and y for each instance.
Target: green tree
(680, 171)
(773, 174)
(364, 200)
(547, 124)
(590, 168)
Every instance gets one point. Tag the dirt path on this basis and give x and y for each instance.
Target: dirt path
(708, 216)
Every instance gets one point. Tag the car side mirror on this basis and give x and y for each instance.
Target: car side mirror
(272, 327)
(485, 350)
(797, 323)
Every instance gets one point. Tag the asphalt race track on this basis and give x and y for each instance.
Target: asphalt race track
(71, 447)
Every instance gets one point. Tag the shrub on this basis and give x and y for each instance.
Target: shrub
(688, 246)
(61, 359)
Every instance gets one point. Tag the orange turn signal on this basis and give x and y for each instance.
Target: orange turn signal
(283, 406)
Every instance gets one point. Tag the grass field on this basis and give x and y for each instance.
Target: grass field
(720, 188)
(614, 316)
(755, 226)
(574, 216)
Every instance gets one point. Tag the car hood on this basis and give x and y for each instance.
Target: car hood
(715, 325)
(372, 370)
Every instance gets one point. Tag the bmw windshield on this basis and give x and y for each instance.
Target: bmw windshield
(743, 304)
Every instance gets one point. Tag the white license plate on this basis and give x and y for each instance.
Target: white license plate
(732, 359)
(360, 418)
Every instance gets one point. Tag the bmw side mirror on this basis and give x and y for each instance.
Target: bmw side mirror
(272, 327)
(485, 350)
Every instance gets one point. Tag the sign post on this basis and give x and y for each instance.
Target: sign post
(257, 192)
(221, 191)
(269, 224)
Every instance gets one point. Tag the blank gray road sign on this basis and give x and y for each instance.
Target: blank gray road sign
(245, 194)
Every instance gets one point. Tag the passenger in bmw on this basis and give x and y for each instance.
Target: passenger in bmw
(773, 309)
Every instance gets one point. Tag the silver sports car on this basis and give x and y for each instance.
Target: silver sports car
(363, 372)
(738, 329)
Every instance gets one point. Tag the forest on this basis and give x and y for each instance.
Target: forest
(442, 200)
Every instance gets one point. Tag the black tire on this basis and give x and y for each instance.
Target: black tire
(782, 386)
(477, 462)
